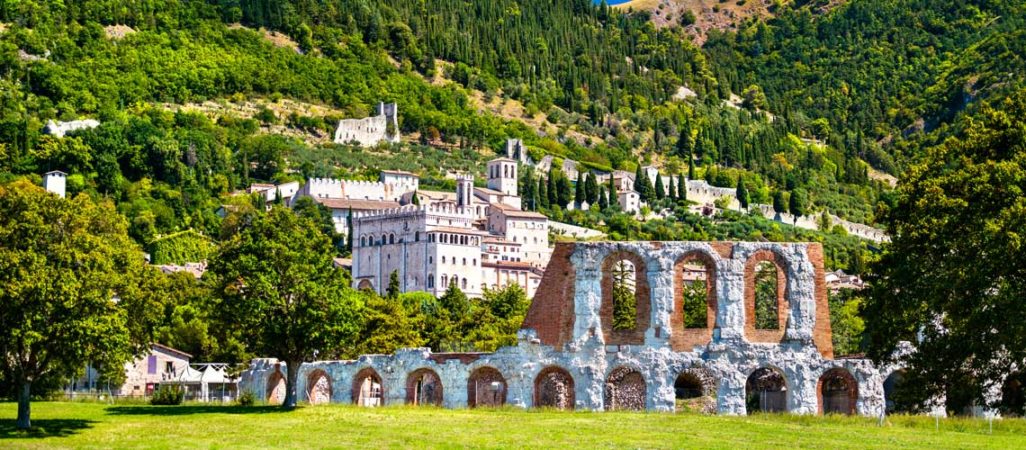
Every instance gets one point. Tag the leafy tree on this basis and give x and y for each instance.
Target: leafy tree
(953, 273)
(388, 326)
(70, 279)
(846, 325)
(280, 292)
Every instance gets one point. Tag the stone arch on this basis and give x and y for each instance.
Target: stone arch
(368, 390)
(695, 390)
(318, 387)
(365, 284)
(486, 387)
(753, 332)
(685, 335)
(554, 388)
(424, 387)
(837, 392)
(766, 391)
(642, 300)
(891, 386)
(276, 387)
(625, 390)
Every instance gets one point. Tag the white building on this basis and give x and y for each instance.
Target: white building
(56, 181)
(475, 237)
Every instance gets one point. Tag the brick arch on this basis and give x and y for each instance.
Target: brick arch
(554, 388)
(318, 387)
(486, 387)
(837, 392)
(625, 390)
(364, 391)
(642, 299)
(783, 305)
(695, 389)
(276, 387)
(685, 339)
(424, 387)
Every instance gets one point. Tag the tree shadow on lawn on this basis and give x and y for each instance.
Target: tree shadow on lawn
(43, 428)
(184, 410)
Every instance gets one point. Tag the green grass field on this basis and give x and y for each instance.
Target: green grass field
(98, 425)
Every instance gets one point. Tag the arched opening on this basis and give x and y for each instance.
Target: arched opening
(554, 388)
(838, 392)
(276, 388)
(367, 388)
(1013, 396)
(766, 391)
(625, 390)
(365, 284)
(625, 310)
(766, 305)
(698, 299)
(625, 305)
(318, 387)
(486, 387)
(695, 390)
(893, 398)
(766, 287)
(424, 387)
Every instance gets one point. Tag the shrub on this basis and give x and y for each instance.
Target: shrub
(168, 394)
(247, 398)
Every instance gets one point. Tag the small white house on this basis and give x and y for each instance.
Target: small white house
(56, 181)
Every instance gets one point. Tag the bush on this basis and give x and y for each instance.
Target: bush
(247, 398)
(168, 394)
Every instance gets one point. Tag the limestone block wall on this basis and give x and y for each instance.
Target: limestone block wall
(568, 355)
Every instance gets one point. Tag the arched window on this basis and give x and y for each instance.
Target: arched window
(368, 389)
(464, 284)
(766, 312)
(424, 387)
(486, 387)
(443, 259)
(624, 305)
(554, 388)
(363, 241)
(391, 239)
(698, 297)
(431, 259)
(838, 392)
(431, 280)
(318, 387)
(464, 261)
(445, 279)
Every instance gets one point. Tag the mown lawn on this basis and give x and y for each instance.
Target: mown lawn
(98, 425)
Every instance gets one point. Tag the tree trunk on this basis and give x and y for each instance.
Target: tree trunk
(24, 408)
(292, 371)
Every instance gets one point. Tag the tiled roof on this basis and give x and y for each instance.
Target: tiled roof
(356, 205)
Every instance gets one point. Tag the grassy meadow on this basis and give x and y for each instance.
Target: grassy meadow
(99, 425)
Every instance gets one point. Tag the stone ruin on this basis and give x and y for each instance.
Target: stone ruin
(570, 355)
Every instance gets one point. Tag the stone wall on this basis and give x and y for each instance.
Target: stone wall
(566, 331)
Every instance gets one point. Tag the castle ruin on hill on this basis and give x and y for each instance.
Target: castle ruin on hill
(368, 132)
(724, 356)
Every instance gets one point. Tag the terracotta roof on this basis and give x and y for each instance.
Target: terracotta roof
(523, 214)
(356, 205)
(472, 231)
(488, 191)
(437, 195)
(399, 172)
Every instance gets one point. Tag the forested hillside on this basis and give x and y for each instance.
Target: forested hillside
(878, 70)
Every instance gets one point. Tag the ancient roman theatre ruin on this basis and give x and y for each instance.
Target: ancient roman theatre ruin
(570, 355)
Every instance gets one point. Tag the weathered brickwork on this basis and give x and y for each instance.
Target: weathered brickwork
(569, 357)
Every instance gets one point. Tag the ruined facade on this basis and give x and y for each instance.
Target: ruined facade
(572, 355)
(368, 132)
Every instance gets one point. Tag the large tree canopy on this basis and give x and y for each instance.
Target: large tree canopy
(280, 291)
(73, 289)
(955, 273)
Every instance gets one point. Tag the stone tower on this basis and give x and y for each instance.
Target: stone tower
(390, 111)
(55, 181)
(502, 175)
(464, 190)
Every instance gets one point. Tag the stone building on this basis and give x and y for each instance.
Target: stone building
(727, 357)
(368, 132)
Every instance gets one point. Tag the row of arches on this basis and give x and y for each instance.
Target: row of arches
(626, 299)
(766, 389)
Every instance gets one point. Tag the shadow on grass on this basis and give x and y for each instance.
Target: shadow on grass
(184, 410)
(43, 428)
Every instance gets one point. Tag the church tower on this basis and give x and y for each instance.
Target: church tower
(502, 175)
(464, 190)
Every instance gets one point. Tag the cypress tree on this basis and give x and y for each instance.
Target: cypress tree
(543, 193)
(779, 205)
(591, 188)
(602, 202)
(551, 189)
(613, 196)
(638, 184)
(672, 191)
(685, 142)
(580, 196)
(682, 188)
(742, 193)
(660, 191)
(691, 168)
(392, 292)
(416, 198)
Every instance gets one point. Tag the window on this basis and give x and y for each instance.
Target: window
(169, 367)
(431, 280)
(464, 284)
(624, 302)
(766, 290)
(445, 280)
(695, 289)
(464, 261)
(431, 259)
(363, 241)
(443, 260)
